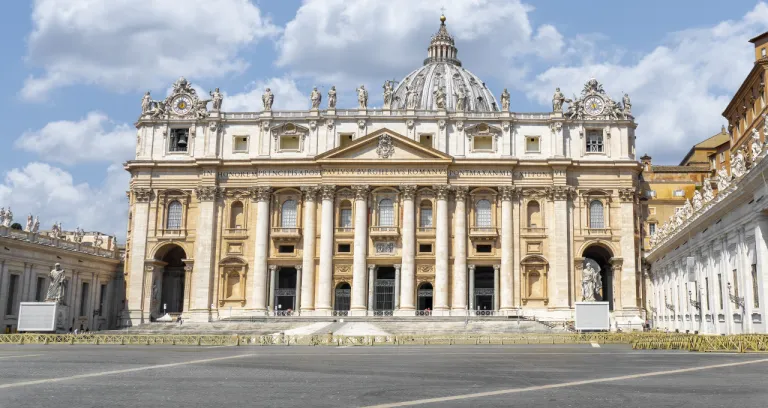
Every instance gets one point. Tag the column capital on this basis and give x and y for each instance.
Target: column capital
(371, 267)
(627, 195)
(207, 193)
(272, 268)
(471, 267)
(328, 191)
(361, 191)
(460, 192)
(298, 268)
(441, 190)
(142, 195)
(496, 268)
(310, 192)
(397, 267)
(408, 191)
(261, 193)
(509, 193)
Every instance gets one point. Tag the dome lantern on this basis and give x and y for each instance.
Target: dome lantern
(442, 47)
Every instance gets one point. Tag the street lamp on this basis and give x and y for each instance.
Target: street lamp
(738, 301)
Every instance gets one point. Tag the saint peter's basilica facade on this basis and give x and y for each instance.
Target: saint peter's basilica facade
(441, 202)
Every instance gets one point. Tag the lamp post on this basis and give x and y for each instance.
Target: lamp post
(738, 301)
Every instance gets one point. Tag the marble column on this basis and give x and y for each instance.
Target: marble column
(262, 197)
(371, 279)
(761, 257)
(496, 290)
(459, 298)
(441, 250)
(360, 250)
(272, 282)
(299, 289)
(307, 294)
(136, 289)
(559, 274)
(406, 283)
(325, 278)
(397, 287)
(628, 270)
(506, 301)
(471, 287)
(203, 275)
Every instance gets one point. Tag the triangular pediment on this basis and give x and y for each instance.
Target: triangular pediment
(384, 145)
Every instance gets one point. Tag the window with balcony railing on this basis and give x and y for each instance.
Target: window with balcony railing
(288, 214)
(483, 214)
(386, 213)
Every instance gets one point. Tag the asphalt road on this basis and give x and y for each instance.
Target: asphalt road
(451, 376)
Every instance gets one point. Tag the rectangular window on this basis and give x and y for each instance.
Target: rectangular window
(706, 288)
(345, 219)
(102, 299)
(40, 289)
(482, 143)
(289, 143)
(178, 140)
(240, 144)
(344, 248)
(84, 299)
(484, 249)
(285, 249)
(720, 287)
(594, 141)
(426, 139)
(425, 219)
(678, 193)
(735, 283)
(755, 290)
(345, 139)
(425, 248)
(652, 229)
(12, 295)
(532, 144)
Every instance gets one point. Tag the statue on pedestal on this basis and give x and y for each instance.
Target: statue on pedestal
(2, 217)
(505, 100)
(315, 98)
(440, 97)
(388, 92)
(461, 98)
(591, 282)
(146, 103)
(8, 217)
(57, 286)
(217, 99)
(738, 164)
(36, 225)
(723, 180)
(362, 97)
(28, 227)
(267, 99)
(332, 98)
(557, 101)
(698, 201)
(708, 193)
(410, 98)
(757, 146)
(627, 105)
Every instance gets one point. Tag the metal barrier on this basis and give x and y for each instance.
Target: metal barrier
(743, 343)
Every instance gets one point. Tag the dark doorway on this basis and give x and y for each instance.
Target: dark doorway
(285, 289)
(425, 296)
(603, 256)
(172, 281)
(384, 289)
(341, 304)
(484, 289)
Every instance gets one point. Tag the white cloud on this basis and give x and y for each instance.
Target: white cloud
(52, 194)
(125, 45)
(287, 96)
(678, 90)
(92, 139)
(348, 43)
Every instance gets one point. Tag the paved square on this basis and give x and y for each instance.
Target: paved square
(488, 376)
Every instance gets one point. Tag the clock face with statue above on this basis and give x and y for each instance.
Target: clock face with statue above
(182, 105)
(594, 105)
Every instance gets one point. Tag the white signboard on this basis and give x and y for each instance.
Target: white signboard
(37, 317)
(592, 316)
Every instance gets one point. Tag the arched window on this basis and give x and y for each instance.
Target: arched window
(425, 214)
(596, 219)
(288, 214)
(386, 213)
(173, 221)
(483, 213)
(236, 215)
(345, 214)
(534, 214)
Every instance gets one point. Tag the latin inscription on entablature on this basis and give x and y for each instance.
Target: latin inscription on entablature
(379, 171)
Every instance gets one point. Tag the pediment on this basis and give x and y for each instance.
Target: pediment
(482, 129)
(384, 145)
(288, 129)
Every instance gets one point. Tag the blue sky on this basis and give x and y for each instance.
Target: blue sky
(74, 71)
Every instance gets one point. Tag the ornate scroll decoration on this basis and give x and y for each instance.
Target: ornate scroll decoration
(556, 127)
(262, 193)
(562, 192)
(425, 269)
(312, 124)
(627, 194)
(361, 192)
(327, 192)
(505, 125)
(361, 124)
(595, 104)
(460, 192)
(265, 125)
(459, 125)
(442, 190)
(385, 148)
(441, 123)
(236, 193)
(343, 270)
(142, 195)
(207, 193)
(385, 247)
(329, 123)
(507, 193)
(409, 123)
(310, 192)
(408, 191)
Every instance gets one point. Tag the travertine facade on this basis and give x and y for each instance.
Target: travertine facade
(442, 202)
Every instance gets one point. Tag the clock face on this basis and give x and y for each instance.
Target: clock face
(594, 105)
(182, 105)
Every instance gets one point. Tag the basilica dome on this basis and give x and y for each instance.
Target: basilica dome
(442, 73)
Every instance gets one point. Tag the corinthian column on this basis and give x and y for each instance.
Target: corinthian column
(204, 250)
(408, 274)
(308, 262)
(135, 290)
(325, 280)
(459, 298)
(259, 272)
(506, 279)
(360, 250)
(441, 250)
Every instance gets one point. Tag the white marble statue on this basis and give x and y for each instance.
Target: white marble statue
(591, 283)
(55, 231)
(146, 103)
(440, 97)
(217, 98)
(677, 221)
(738, 164)
(332, 98)
(362, 97)
(267, 99)
(36, 225)
(9, 218)
(388, 92)
(698, 201)
(723, 180)
(557, 101)
(757, 146)
(98, 240)
(30, 222)
(627, 105)
(57, 286)
(2, 217)
(461, 98)
(708, 193)
(505, 100)
(687, 209)
(315, 97)
(410, 98)
(158, 109)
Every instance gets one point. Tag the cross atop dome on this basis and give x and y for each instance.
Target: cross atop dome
(442, 47)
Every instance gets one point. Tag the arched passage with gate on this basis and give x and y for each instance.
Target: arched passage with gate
(602, 255)
(168, 287)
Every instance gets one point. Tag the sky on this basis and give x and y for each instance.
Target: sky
(74, 72)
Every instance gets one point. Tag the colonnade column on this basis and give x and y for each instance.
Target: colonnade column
(371, 279)
(135, 293)
(441, 250)
(272, 282)
(325, 278)
(471, 287)
(506, 278)
(408, 275)
(761, 258)
(459, 298)
(204, 249)
(360, 250)
(396, 305)
(261, 251)
(299, 289)
(307, 283)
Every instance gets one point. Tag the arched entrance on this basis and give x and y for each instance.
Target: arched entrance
(425, 293)
(602, 256)
(172, 280)
(341, 301)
